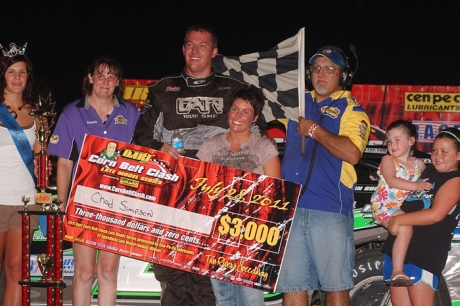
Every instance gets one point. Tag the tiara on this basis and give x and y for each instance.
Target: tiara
(14, 50)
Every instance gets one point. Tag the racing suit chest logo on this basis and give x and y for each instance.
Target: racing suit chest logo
(202, 105)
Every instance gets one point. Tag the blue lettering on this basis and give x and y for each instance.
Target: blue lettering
(429, 133)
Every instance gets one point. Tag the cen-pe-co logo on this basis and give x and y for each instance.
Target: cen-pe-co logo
(431, 102)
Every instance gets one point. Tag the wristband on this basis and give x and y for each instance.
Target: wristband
(312, 129)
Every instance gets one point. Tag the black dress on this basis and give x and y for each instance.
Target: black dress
(430, 243)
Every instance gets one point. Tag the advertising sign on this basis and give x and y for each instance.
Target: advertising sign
(187, 214)
(431, 109)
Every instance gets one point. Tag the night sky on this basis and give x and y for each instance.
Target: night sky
(397, 42)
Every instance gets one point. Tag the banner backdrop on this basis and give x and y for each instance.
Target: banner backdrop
(136, 91)
(187, 214)
(431, 109)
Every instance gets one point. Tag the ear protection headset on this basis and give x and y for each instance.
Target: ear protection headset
(346, 74)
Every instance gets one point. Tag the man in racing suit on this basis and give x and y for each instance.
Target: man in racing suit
(196, 103)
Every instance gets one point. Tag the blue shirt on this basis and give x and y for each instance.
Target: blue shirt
(332, 180)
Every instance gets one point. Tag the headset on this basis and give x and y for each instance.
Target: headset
(346, 73)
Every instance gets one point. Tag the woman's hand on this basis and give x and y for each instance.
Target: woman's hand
(50, 167)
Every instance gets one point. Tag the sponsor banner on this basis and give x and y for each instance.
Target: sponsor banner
(187, 214)
(431, 109)
(431, 102)
(136, 91)
(428, 130)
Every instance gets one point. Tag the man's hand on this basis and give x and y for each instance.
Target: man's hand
(167, 148)
(304, 126)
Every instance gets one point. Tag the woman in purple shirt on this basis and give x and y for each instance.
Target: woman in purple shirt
(103, 113)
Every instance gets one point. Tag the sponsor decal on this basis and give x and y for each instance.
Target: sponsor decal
(206, 107)
(136, 155)
(54, 139)
(172, 88)
(332, 112)
(376, 150)
(363, 127)
(120, 119)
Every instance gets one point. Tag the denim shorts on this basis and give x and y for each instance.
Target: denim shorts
(320, 250)
(415, 273)
(228, 294)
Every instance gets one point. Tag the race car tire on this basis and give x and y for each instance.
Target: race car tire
(370, 289)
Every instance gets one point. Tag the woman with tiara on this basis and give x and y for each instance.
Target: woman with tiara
(17, 146)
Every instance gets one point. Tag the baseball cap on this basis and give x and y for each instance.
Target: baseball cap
(330, 53)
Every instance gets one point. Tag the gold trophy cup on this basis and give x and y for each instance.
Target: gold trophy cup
(45, 263)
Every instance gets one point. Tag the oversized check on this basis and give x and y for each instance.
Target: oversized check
(187, 214)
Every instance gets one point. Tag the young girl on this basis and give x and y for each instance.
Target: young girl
(398, 173)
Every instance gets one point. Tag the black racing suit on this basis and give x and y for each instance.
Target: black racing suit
(198, 108)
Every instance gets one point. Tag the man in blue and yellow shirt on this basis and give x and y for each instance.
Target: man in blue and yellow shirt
(335, 129)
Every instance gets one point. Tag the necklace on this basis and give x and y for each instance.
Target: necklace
(13, 112)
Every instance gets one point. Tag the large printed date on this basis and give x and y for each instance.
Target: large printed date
(251, 231)
(257, 199)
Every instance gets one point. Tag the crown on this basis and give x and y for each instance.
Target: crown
(14, 50)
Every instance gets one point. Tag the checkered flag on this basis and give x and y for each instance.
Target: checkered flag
(280, 72)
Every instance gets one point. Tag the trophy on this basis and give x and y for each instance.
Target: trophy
(26, 202)
(44, 113)
(45, 263)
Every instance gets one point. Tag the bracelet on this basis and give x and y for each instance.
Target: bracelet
(312, 129)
